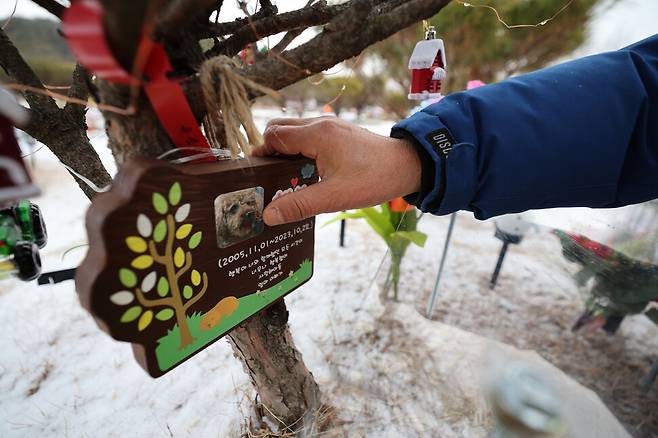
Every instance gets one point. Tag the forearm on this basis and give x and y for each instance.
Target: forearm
(583, 133)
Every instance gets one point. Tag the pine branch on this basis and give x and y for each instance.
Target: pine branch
(290, 36)
(344, 37)
(52, 6)
(256, 28)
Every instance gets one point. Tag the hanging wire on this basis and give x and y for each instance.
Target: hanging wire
(128, 111)
(516, 26)
(11, 16)
(87, 181)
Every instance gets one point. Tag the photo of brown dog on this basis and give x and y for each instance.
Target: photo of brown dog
(239, 216)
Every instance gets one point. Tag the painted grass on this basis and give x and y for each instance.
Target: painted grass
(167, 352)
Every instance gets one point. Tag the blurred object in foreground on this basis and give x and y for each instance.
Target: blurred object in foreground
(620, 285)
(15, 182)
(524, 404)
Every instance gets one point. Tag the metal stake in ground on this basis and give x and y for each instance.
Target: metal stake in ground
(342, 233)
(430, 306)
(509, 229)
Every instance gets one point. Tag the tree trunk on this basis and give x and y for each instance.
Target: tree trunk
(289, 394)
(184, 329)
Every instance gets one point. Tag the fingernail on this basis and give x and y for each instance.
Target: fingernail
(272, 216)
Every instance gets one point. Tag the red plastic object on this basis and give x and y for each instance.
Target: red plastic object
(84, 30)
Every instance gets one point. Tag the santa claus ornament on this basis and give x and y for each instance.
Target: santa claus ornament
(428, 67)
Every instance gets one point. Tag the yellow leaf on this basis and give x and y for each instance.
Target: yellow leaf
(183, 231)
(145, 320)
(136, 244)
(179, 257)
(196, 278)
(142, 262)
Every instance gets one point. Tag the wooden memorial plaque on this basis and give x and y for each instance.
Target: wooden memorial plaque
(179, 255)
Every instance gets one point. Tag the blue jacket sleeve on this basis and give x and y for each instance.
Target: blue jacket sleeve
(583, 133)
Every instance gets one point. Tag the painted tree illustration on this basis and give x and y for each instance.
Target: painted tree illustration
(264, 344)
(175, 287)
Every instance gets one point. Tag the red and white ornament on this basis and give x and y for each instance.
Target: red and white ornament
(428, 67)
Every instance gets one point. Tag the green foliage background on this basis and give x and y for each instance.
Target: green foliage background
(40, 43)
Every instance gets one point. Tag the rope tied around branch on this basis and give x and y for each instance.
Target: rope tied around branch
(228, 107)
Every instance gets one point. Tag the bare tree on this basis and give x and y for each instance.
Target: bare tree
(264, 344)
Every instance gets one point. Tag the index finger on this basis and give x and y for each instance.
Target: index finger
(287, 140)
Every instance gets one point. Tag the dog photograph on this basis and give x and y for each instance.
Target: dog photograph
(239, 215)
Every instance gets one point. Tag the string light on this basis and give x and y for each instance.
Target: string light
(516, 26)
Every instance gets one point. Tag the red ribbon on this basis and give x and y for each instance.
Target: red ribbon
(83, 28)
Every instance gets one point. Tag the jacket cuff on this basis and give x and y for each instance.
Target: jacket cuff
(448, 167)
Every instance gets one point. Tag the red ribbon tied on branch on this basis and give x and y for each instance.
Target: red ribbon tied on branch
(84, 30)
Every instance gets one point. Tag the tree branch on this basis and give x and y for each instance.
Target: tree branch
(19, 71)
(154, 253)
(256, 29)
(198, 296)
(361, 25)
(344, 37)
(147, 302)
(52, 6)
(180, 13)
(79, 90)
(186, 267)
(64, 135)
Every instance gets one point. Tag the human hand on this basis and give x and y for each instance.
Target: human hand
(357, 168)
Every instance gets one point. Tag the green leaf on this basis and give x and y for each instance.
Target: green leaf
(183, 231)
(378, 222)
(127, 277)
(188, 292)
(131, 314)
(163, 287)
(195, 240)
(341, 216)
(175, 194)
(415, 237)
(164, 315)
(160, 231)
(160, 203)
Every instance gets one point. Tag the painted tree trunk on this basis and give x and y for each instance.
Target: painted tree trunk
(185, 334)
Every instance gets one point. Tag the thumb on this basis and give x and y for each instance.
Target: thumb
(299, 205)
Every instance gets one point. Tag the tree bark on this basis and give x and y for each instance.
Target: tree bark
(286, 387)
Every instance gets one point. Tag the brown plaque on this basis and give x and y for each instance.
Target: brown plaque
(179, 255)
